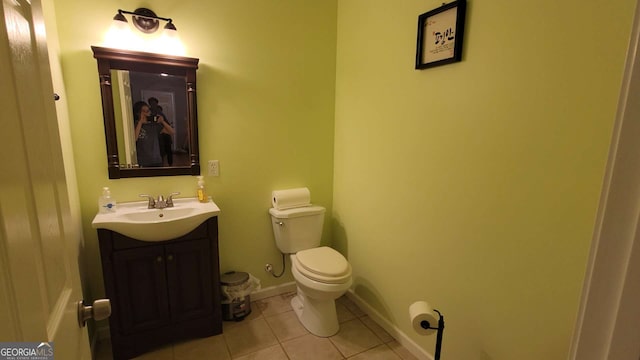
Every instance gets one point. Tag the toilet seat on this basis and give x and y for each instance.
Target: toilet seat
(322, 264)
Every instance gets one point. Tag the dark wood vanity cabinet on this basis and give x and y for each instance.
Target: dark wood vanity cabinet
(161, 292)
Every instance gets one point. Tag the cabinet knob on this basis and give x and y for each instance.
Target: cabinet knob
(170, 257)
(159, 259)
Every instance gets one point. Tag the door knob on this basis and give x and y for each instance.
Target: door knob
(99, 310)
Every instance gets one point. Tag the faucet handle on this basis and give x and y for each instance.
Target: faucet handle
(152, 203)
(170, 199)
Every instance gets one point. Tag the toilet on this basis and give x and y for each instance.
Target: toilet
(322, 274)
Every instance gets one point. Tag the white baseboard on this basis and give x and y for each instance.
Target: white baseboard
(393, 330)
(273, 291)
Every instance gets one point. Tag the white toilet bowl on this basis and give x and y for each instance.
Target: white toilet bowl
(322, 275)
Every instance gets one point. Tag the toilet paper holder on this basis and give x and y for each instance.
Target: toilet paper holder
(427, 325)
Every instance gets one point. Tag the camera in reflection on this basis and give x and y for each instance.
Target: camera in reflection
(152, 118)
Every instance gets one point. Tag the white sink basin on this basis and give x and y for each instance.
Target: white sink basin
(135, 220)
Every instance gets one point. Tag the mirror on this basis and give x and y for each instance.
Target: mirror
(148, 139)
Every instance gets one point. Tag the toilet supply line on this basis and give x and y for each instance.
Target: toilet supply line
(269, 268)
(297, 232)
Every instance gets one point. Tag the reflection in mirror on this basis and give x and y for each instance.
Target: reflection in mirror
(130, 87)
(150, 114)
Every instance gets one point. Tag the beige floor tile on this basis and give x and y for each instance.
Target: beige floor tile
(354, 337)
(271, 353)
(344, 314)
(275, 304)
(257, 337)
(381, 352)
(344, 300)
(401, 351)
(164, 353)
(311, 347)
(204, 348)
(249, 337)
(286, 326)
(377, 329)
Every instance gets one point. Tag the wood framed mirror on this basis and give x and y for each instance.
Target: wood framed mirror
(130, 77)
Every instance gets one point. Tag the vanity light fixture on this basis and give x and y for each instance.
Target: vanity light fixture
(144, 20)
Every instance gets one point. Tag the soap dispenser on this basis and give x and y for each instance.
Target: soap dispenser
(201, 194)
(106, 204)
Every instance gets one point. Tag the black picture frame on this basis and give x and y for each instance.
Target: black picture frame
(440, 35)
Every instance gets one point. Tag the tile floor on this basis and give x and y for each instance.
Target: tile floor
(272, 332)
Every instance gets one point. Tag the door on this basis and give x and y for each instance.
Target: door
(39, 275)
(141, 282)
(125, 128)
(609, 317)
(190, 279)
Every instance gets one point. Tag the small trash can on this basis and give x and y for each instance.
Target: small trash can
(236, 301)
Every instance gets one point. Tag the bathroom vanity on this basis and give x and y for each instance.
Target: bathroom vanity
(161, 291)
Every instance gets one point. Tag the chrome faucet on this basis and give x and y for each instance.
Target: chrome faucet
(152, 203)
(160, 203)
(170, 198)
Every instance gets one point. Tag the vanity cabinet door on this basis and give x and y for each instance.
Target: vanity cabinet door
(141, 281)
(161, 292)
(190, 280)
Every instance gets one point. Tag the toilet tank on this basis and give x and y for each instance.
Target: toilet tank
(297, 229)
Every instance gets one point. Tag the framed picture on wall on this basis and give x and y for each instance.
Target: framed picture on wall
(440, 33)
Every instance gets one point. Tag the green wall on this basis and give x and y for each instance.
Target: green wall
(265, 105)
(472, 185)
(475, 185)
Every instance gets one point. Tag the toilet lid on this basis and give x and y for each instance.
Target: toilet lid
(323, 264)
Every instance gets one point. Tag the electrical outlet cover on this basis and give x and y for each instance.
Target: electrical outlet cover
(214, 168)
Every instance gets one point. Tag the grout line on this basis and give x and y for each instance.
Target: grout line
(365, 310)
(334, 346)
(226, 345)
(393, 330)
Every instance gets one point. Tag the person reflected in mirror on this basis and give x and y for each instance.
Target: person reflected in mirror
(147, 133)
(166, 138)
